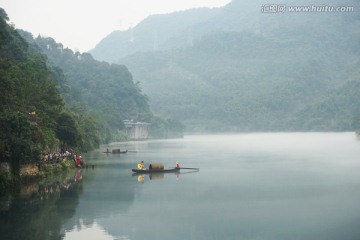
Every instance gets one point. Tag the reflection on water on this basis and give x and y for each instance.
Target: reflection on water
(93, 231)
(251, 186)
(40, 208)
(155, 176)
(160, 176)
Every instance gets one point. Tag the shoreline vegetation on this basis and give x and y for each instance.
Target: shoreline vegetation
(46, 168)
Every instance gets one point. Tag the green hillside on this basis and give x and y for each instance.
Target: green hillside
(53, 99)
(249, 70)
(33, 115)
(106, 91)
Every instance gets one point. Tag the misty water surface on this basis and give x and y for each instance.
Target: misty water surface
(250, 186)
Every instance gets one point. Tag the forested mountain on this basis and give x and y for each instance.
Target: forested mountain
(105, 90)
(33, 116)
(54, 98)
(245, 70)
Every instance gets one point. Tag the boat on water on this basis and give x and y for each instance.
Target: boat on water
(146, 171)
(116, 151)
(158, 168)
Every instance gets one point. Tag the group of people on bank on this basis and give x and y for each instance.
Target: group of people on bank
(57, 157)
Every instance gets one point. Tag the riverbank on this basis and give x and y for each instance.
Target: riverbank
(32, 171)
(45, 169)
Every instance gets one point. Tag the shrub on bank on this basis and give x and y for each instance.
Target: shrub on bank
(28, 172)
(51, 169)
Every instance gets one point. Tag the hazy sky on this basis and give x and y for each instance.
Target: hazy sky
(81, 24)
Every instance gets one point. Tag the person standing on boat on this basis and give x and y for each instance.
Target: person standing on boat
(143, 166)
(177, 165)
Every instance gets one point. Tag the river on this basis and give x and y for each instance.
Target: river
(275, 186)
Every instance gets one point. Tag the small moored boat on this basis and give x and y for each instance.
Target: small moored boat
(115, 151)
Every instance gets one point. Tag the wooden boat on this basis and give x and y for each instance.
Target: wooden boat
(116, 151)
(147, 171)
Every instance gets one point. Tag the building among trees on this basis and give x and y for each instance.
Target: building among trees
(136, 130)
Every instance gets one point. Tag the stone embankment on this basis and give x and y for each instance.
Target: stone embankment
(29, 170)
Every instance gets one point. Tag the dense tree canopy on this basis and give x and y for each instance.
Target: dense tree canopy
(33, 116)
(106, 91)
(54, 98)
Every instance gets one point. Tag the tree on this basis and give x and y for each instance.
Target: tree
(20, 141)
(67, 131)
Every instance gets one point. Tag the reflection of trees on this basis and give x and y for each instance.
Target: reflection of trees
(40, 215)
(47, 209)
(112, 192)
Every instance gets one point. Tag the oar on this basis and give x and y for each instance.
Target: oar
(190, 168)
(193, 171)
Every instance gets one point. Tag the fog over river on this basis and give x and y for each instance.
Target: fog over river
(250, 186)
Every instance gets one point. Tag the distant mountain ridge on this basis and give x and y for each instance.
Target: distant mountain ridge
(145, 37)
(172, 31)
(180, 29)
(246, 70)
